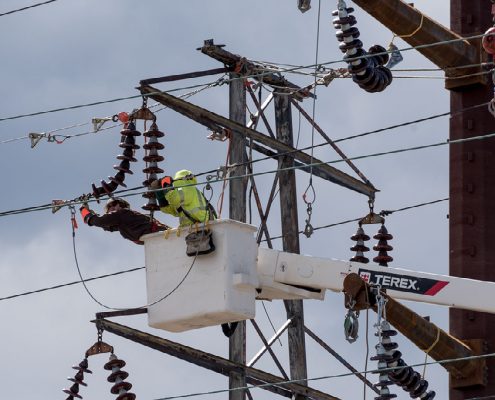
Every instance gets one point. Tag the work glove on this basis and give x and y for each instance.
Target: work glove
(86, 213)
(155, 185)
(166, 182)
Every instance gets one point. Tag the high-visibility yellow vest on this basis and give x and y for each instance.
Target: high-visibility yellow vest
(186, 202)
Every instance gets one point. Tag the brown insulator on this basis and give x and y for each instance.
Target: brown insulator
(383, 234)
(129, 143)
(130, 130)
(151, 207)
(153, 169)
(148, 181)
(78, 378)
(153, 158)
(123, 167)
(121, 386)
(126, 396)
(383, 247)
(97, 191)
(118, 179)
(73, 391)
(360, 259)
(383, 259)
(360, 237)
(126, 157)
(153, 145)
(360, 247)
(114, 363)
(108, 187)
(149, 195)
(120, 374)
(153, 131)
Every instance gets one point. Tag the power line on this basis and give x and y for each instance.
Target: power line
(70, 284)
(26, 8)
(328, 377)
(96, 103)
(49, 135)
(384, 212)
(231, 79)
(397, 151)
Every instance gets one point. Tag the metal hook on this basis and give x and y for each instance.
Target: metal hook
(35, 138)
(308, 230)
(208, 187)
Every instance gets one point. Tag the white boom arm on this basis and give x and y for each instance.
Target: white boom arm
(319, 273)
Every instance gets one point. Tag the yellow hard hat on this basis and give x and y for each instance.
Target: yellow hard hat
(183, 174)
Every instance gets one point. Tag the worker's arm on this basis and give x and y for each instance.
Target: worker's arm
(164, 183)
(109, 222)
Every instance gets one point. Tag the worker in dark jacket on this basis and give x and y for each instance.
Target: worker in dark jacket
(119, 217)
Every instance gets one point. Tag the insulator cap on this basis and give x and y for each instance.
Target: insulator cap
(126, 157)
(117, 179)
(130, 130)
(114, 363)
(151, 207)
(359, 247)
(360, 235)
(119, 386)
(153, 158)
(383, 234)
(153, 132)
(152, 169)
(153, 145)
(381, 57)
(123, 167)
(126, 396)
(360, 259)
(120, 374)
(108, 187)
(382, 246)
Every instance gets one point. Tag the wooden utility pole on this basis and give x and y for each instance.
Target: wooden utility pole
(237, 211)
(290, 235)
(472, 176)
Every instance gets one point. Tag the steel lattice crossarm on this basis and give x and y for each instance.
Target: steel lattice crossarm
(256, 71)
(214, 363)
(218, 123)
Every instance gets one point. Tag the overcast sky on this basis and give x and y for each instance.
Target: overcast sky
(70, 53)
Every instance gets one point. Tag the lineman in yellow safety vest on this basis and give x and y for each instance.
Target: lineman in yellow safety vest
(181, 198)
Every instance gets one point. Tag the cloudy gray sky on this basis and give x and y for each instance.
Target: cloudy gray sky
(70, 53)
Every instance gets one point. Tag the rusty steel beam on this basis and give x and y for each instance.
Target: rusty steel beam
(188, 75)
(437, 343)
(212, 362)
(254, 70)
(218, 123)
(418, 29)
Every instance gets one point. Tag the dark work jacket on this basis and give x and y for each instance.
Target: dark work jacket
(131, 224)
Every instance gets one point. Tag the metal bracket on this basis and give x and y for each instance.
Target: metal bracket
(480, 375)
(35, 138)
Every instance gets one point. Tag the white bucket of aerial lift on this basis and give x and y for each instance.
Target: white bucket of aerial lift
(220, 288)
